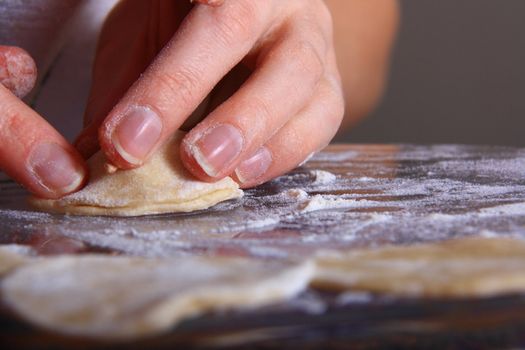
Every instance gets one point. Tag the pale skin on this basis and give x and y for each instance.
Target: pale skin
(282, 71)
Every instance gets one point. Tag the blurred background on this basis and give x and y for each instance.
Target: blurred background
(457, 76)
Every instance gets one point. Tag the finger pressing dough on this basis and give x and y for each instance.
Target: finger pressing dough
(123, 297)
(161, 185)
(458, 268)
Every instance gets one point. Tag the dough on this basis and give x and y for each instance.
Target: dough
(13, 256)
(161, 185)
(121, 297)
(468, 267)
(107, 296)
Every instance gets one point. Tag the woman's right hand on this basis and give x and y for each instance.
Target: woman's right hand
(32, 152)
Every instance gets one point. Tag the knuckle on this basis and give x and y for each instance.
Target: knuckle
(6, 128)
(11, 121)
(264, 113)
(238, 23)
(318, 15)
(182, 85)
(307, 58)
(16, 130)
(265, 109)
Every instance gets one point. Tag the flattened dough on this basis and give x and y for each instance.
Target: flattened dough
(161, 185)
(468, 267)
(13, 256)
(122, 297)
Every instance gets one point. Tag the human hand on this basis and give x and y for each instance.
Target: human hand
(31, 151)
(290, 106)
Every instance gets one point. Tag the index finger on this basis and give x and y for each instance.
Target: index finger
(209, 43)
(33, 153)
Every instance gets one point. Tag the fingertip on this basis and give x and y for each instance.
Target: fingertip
(249, 184)
(130, 137)
(251, 171)
(19, 71)
(55, 171)
(107, 147)
(213, 149)
(189, 162)
(36, 155)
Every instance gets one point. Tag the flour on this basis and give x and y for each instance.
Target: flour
(319, 202)
(353, 297)
(342, 198)
(505, 209)
(296, 194)
(365, 179)
(322, 177)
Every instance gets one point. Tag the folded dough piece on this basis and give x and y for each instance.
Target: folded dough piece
(467, 267)
(161, 185)
(123, 297)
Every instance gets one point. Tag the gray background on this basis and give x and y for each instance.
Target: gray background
(458, 76)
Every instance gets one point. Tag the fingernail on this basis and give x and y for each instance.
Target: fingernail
(255, 166)
(217, 148)
(136, 134)
(55, 169)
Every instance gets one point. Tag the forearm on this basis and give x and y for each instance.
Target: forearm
(364, 31)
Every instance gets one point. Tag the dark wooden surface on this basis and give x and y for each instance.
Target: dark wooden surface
(391, 194)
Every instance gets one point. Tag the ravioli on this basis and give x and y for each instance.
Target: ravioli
(162, 185)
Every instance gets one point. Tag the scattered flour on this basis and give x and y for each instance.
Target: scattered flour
(309, 303)
(296, 194)
(348, 298)
(267, 252)
(319, 202)
(489, 234)
(265, 222)
(365, 179)
(506, 209)
(414, 194)
(322, 177)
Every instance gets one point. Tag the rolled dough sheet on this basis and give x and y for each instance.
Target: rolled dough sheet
(161, 185)
(467, 267)
(120, 297)
(123, 297)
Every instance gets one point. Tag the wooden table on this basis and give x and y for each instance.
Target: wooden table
(381, 194)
